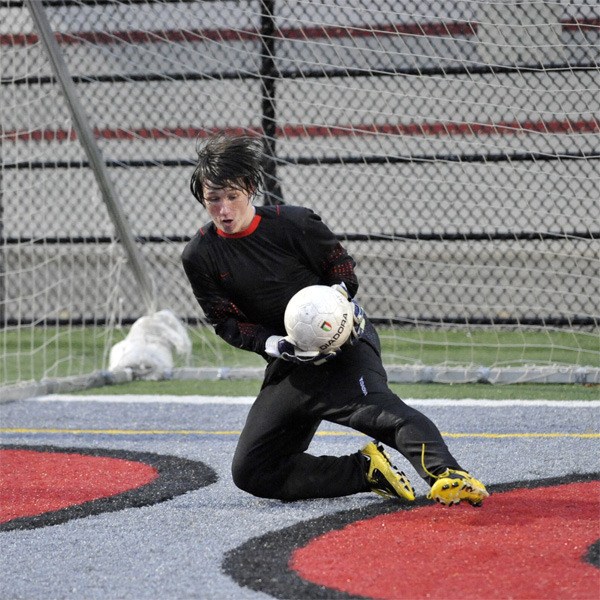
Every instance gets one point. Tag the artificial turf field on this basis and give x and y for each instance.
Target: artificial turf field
(130, 496)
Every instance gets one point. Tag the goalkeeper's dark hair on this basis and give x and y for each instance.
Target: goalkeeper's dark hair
(228, 161)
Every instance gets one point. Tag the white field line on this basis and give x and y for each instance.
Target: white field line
(247, 400)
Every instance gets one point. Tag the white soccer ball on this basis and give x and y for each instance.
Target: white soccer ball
(318, 318)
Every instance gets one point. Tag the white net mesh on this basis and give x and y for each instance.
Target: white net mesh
(454, 147)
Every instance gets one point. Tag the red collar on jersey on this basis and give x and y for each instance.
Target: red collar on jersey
(250, 229)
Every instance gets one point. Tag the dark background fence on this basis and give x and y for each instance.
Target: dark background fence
(454, 148)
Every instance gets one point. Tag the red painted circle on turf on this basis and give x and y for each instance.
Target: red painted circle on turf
(526, 543)
(34, 482)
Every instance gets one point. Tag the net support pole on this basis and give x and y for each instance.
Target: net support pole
(88, 141)
(268, 77)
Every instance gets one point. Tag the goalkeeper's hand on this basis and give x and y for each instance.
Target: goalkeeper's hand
(358, 327)
(279, 346)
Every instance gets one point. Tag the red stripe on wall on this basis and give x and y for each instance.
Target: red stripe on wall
(442, 128)
(434, 29)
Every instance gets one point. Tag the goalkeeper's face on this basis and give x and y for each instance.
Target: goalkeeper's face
(230, 208)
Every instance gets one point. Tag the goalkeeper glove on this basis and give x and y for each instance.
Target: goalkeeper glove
(283, 347)
(358, 327)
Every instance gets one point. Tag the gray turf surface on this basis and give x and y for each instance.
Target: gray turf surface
(174, 550)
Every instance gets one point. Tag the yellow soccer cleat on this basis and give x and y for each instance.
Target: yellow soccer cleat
(453, 486)
(384, 478)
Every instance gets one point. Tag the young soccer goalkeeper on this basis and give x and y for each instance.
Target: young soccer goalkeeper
(244, 266)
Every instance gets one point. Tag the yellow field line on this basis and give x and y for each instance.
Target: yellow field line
(183, 432)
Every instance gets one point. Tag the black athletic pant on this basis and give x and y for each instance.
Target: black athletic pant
(271, 460)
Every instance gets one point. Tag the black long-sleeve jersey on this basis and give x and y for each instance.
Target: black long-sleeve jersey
(243, 281)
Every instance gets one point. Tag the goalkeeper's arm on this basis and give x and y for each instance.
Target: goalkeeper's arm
(360, 317)
(228, 320)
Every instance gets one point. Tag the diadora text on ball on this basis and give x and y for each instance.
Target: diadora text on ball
(336, 336)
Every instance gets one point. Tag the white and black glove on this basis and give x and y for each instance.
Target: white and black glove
(358, 327)
(283, 347)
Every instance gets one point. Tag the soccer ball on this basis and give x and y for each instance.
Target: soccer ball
(318, 318)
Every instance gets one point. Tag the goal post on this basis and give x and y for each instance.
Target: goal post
(454, 149)
(88, 142)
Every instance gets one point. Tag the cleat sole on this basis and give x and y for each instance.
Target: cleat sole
(385, 479)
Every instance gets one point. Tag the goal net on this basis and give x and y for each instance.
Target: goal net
(454, 148)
